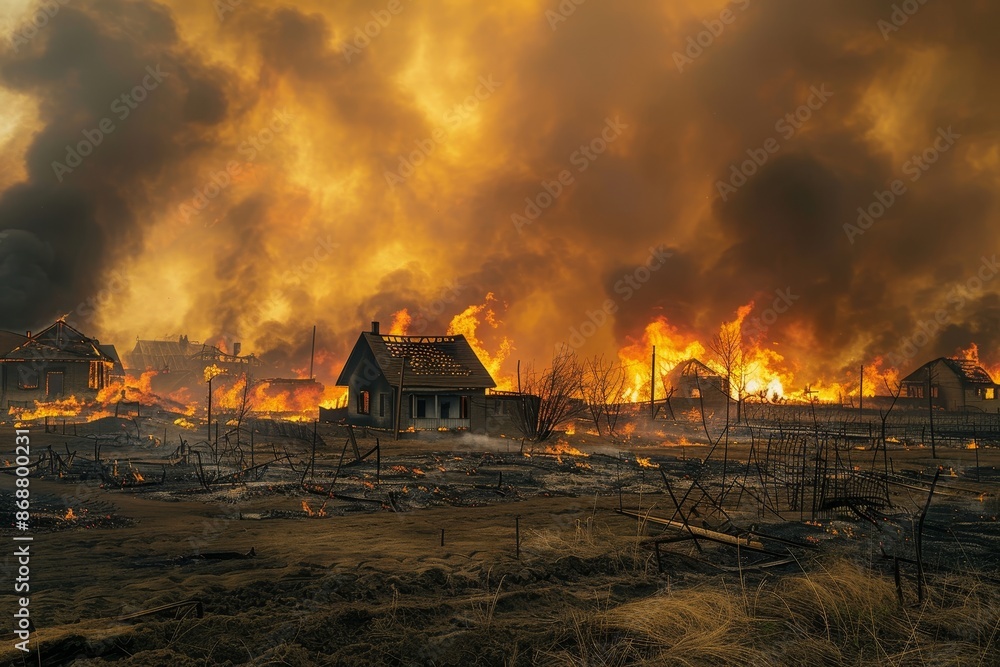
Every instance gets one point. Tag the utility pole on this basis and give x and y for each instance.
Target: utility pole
(312, 354)
(399, 397)
(208, 436)
(861, 392)
(652, 386)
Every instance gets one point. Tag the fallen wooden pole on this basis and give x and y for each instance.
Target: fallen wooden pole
(712, 535)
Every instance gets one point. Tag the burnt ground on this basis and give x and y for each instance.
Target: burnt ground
(363, 579)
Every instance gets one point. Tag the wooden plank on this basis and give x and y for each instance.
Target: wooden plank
(713, 535)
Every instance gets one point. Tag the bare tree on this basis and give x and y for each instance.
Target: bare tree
(602, 384)
(732, 356)
(884, 417)
(557, 390)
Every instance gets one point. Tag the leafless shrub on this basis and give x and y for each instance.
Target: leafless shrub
(557, 392)
(602, 384)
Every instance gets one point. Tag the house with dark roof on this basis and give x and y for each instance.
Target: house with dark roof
(430, 382)
(55, 363)
(953, 384)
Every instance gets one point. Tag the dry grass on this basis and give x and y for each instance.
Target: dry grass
(840, 614)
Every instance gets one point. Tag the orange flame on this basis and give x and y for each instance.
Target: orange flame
(64, 407)
(561, 449)
(645, 462)
(69, 515)
(467, 322)
(311, 512)
(296, 400)
(972, 354)
(672, 347)
(400, 323)
(757, 370)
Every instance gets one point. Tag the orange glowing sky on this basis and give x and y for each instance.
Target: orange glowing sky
(350, 178)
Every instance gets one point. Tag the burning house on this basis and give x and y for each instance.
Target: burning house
(431, 382)
(953, 384)
(182, 362)
(693, 379)
(55, 363)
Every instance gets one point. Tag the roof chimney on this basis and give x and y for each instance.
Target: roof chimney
(236, 349)
(375, 327)
(27, 334)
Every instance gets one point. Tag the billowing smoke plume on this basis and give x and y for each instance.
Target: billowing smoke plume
(292, 164)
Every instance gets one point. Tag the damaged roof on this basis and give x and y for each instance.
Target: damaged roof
(431, 361)
(691, 368)
(180, 355)
(969, 372)
(60, 342)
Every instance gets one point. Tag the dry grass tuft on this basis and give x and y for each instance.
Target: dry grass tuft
(840, 614)
(688, 627)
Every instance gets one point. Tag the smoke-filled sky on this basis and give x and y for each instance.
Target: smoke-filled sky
(242, 170)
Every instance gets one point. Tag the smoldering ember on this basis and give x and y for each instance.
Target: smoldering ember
(263, 406)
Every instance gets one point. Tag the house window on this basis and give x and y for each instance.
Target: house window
(463, 407)
(383, 404)
(915, 391)
(27, 379)
(934, 391)
(990, 393)
(364, 405)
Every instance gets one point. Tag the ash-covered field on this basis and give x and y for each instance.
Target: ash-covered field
(153, 546)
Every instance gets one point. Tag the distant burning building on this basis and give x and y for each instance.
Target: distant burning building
(693, 379)
(182, 362)
(953, 384)
(55, 363)
(438, 380)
